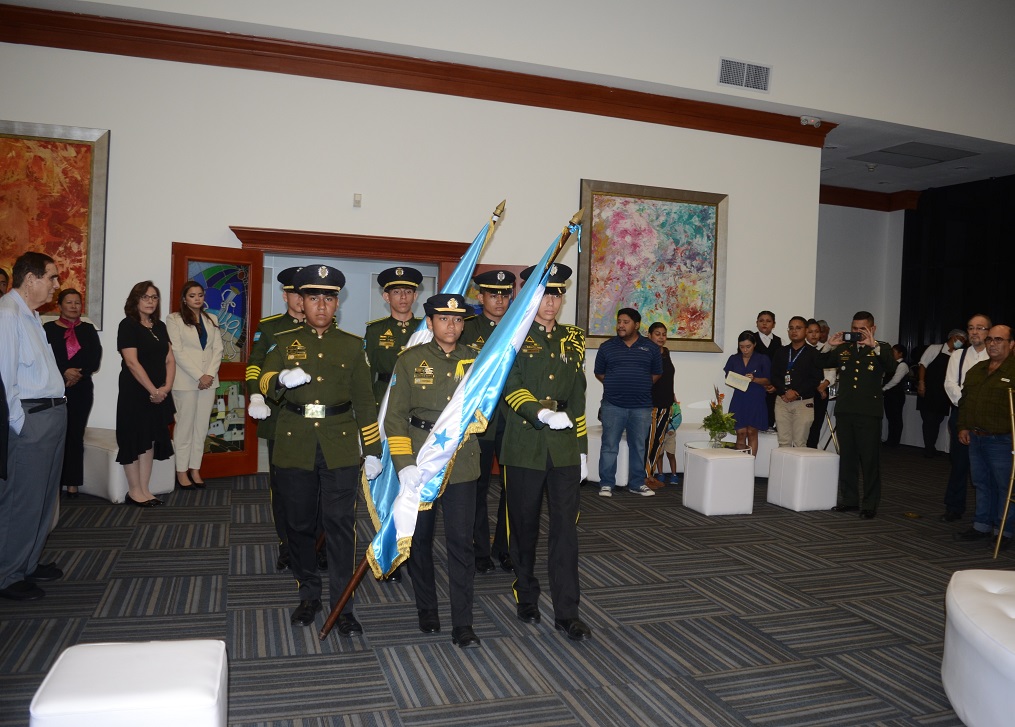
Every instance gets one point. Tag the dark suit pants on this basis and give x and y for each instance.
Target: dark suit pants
(481, 533)
(458, 503)
(820, 407)
(277, 510)
(958, 478)
(895, 403)
(79, 406)
(525, 488)
(328, 495)
(859, 452)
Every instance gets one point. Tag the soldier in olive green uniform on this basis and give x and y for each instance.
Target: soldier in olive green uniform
(321, 378)
(424, 380)
(545, 448)
(265, 411)
(862, 366)
(495, 291)
(386, 337)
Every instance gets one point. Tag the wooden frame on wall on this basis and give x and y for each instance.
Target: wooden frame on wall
(660, 251)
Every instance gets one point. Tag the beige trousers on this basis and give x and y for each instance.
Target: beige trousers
(793, 421)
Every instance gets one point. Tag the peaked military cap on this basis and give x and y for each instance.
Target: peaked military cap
(445, 303)
(400, 277)
(318, 277)
(498, 281)
(559, 274)
(286, 277)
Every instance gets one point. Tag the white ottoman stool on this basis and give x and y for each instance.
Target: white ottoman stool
(978, 668)
(153, 683)
(801, 478)
(105, 478)
(595, 435)
(719, 482)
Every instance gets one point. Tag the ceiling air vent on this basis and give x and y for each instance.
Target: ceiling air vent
(743, 74)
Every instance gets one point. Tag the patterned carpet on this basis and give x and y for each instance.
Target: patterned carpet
(776, 618)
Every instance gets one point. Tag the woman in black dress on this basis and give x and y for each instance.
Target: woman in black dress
(78, 353)
(144, 407)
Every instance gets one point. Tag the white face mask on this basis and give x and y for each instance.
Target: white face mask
(958, 344)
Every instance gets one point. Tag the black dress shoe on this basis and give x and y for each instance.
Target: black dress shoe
(283, 561)
(970, 535)
(322, 559)
(22, 591)
(528, 612)
(574, 628)
(304, 614)
(45, 572)
(464, 637)
(506, 563)
(154, 502)
(868, 514)
(348, 625)
(845, 508)
(950, 517)
(72, 495)
(429, 621)
(485, 565)
(396, 576)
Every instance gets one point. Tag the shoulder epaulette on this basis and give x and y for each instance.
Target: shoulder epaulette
(378, 320)
(472, 317)
(272, 318)
(288, 330)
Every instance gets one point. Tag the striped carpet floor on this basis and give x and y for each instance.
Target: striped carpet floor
(776, 618)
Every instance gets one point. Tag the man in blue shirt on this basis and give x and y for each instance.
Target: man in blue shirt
(627, 365)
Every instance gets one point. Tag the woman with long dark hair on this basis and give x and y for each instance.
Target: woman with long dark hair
(197, 347)
(749, 407)
(78, 352)
(662, 402)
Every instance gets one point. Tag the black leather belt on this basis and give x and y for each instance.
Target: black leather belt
(384, 377)
(554, 404)
(420, 423)
(984, 433)
(32, 406)
(318, 411)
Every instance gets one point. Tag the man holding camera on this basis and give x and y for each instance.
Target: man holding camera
(862, 363)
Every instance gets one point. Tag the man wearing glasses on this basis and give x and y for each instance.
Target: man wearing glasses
(958, 366)
(985, 426)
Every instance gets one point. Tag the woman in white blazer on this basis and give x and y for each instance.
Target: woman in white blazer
(197, 346)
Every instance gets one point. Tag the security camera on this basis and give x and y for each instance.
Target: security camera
(810, 121)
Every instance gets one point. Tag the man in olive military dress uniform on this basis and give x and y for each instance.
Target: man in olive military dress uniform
(321, 379)
(495, 290)
(386, 337)
(862, 365)
(545, 449)
(424, 380)
(265, 411)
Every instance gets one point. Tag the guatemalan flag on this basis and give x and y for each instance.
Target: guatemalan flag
(466, 414)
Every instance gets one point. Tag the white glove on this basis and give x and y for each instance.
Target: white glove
(584, 466)
(257, 408)
(291, 378)
(372, 467)
(408, 478)
(554, 419)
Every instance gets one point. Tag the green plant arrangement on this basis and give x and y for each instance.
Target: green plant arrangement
(718, 423)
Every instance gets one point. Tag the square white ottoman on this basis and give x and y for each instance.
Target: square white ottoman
(802, 479)
(105, 478)
(595, 434)
(153, 683)
(719, 482)
(767, 442)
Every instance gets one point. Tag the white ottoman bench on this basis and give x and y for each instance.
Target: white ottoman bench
(595, 435)
(767, 443)
(719, 482)
(154, 684)
(978, 668)
(803, 479)
(105, 478)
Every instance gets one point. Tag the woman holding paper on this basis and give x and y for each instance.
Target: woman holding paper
(748, 372)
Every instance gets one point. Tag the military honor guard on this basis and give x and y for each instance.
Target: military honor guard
(386, 337)
(422, 384)
(544, 452)
(495, 291)
(326, 413)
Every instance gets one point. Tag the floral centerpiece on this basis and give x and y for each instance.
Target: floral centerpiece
(718, 423)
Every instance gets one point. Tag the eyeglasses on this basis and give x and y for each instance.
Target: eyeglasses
(150, 298)
(998, 339)
(977, 328)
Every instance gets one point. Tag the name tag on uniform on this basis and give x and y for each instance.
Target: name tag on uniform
(387, 339)
(531, 346)
(296, 351)
(423, 374)
(478, 345)
(789, 379)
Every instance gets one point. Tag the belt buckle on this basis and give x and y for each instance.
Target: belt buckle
(550, 404)
(313, 411)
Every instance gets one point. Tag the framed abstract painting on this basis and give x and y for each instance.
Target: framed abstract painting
(53, 200)
(660, 251)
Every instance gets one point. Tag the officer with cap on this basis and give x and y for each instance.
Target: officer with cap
(263, 410)
(321, 380)
(423, 382)
(545, 448)
(495, 292)
(386, 337)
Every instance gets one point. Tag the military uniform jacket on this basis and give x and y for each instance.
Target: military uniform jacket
(550, 365)
(263, 338)
(476, 333)
(384, 340)
(424, 380)
(861, 373)
(339, 373)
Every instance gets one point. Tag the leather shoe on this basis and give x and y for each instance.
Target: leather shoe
(845, 508)
(348, 625)
(464, 637)
(868, 514)
(485, 565)
(950, 517)
(322, 559)
(304, 614)
(574, 628)
(147, 503)
(529, 613)
(971, 534)
(45, 572)
(284, 561)
(396, 576)
(429, 621)
(506, 563)
(22, 591)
